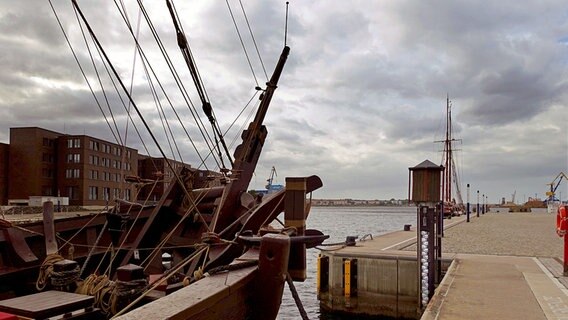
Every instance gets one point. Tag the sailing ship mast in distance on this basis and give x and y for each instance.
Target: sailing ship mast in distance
(452, 205)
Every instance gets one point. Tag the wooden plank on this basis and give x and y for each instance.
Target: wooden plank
(49, 228)
(46, 304)
(16, 238)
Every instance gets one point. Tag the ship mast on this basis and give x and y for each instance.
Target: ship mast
(448, 153)
(447, 158)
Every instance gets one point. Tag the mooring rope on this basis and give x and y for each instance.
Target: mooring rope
(296, 297)
(46, 270)
(93, 249)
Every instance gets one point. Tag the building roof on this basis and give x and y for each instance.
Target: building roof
(427, 164)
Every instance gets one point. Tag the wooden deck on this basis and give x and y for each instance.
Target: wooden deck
(46, 304)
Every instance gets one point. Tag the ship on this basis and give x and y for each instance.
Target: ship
(452, 200)
(207, 249)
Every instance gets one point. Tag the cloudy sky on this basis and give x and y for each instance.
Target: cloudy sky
(362, 96)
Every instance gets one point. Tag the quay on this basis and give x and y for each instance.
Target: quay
(497, 266)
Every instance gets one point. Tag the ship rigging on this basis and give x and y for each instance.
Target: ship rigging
(451, 185)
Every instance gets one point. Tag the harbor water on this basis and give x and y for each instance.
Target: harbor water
(338, 223)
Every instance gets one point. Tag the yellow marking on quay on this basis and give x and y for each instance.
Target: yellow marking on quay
(347, 278)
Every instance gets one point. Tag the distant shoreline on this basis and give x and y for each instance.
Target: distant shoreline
(359, 203)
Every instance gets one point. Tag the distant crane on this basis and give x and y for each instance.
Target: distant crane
(554, 185)
(271, 187)
(271, 177)
(552, 202)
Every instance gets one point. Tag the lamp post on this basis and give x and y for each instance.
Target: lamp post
(467, 206)
(483, 204)
(478, 203)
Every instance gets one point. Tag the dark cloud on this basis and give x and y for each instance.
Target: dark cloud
(362, 96)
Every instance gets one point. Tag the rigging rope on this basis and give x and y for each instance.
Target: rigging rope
(93, 249)
(205, 134)
(242, 43)
(99, 79)
(159, 281)
(206, 105)
(81, 68)
(254, 40)
(133, 104)
(296, 297)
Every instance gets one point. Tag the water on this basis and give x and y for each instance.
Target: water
(338, 223)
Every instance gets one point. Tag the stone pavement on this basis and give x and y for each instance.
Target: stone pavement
(506, 266)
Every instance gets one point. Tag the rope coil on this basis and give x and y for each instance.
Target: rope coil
(65, 277)
(130, 288)
(46, 270)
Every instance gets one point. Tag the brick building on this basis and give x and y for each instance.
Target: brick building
(88, 170)
(154, 168)
(91, 171)
(32, 163)
(4, 149)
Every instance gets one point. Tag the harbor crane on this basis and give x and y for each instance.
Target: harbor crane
(553, 186)
(271, 177)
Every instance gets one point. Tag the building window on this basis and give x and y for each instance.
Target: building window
(93, 145)
(73, 193)
(116, 194)
(47, 173)
(128, 154)
(73, 157)
(127, 194)
(72, 173)
(106, 193)
(47, 157)
(74, 143)
(46, 191)
(94, 174)
(93, 193)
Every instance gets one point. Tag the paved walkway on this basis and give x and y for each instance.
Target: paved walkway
(506, 266)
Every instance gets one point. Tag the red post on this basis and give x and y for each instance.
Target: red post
(561, 228)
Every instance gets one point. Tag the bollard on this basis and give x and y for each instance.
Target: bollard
(477, 212)
(565, 273)
(295, 215)
(467, 207)
(64, 275)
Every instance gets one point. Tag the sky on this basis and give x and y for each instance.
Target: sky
(361, 99)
